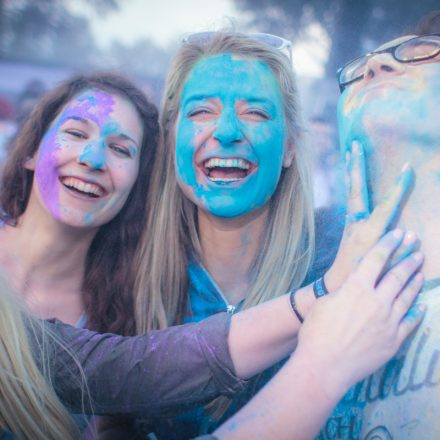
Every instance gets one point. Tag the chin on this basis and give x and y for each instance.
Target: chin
(79, 220)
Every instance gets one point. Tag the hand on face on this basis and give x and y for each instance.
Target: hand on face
(88, 160)
(364, 229)
(230, 135)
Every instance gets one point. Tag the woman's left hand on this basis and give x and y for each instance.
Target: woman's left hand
(362, 228)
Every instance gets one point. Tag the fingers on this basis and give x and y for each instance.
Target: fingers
(397, 277)
(410, 244)
(406, 298)
(374, 262)
(384, 214)
(411, 320)
(357, 202)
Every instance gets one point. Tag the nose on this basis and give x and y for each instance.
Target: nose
(93, 156)
(228, 131)
(382, 64)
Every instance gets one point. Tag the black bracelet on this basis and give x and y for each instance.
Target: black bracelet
(293, 305)
(319, 288)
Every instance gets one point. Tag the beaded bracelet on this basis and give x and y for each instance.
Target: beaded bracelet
(319, 288)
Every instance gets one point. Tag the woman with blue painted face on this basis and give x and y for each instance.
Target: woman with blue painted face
(231, 221)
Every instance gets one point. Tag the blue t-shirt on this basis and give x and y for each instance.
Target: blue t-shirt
(206, 299)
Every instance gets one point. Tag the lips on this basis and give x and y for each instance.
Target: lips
(83, 187)
(231, 169)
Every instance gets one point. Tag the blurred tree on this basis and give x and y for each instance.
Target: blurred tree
(354, 26)
(140, 58)
(45, 30)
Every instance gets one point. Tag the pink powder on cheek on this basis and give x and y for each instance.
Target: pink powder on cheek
(45, 172)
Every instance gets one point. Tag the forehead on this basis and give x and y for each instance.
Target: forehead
(395, 42)
(103, 107)
(228, 73)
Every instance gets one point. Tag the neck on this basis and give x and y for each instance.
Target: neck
(229, 247)
(421, 212)
(46, 260)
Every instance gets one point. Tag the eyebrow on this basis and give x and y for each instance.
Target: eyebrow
(254, 99)
(200, 97)
(127, 137)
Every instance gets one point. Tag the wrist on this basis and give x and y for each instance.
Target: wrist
(304, 299)
(331, 281)
(324, 376)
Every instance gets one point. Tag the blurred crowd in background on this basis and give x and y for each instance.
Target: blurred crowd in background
(44, 41)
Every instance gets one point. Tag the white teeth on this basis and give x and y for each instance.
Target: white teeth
(227, 163)
(88, 188)
(224, 179)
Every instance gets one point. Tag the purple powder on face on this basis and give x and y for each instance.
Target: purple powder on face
(94, 105)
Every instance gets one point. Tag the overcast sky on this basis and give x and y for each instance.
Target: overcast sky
(165, 21)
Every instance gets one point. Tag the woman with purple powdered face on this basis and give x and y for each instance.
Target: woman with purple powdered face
(73, 201)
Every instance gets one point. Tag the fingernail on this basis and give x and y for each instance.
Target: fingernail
(417, 256)
(405, 168)
(356, 147)
(421, 308)
(405, 174)
(410, 238)
(418, 277)
(415, 312)
(397, 234)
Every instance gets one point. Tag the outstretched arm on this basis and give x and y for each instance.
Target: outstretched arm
(159, 373)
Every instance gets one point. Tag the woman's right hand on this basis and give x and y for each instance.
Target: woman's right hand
(349, 334)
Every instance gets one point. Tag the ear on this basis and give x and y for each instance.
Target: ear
(289, 154)
(29, 163)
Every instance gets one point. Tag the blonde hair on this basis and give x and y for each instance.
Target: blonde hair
(171, 234)
(29, 406)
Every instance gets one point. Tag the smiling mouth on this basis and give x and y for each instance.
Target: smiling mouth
(227, 169)
(83, 188)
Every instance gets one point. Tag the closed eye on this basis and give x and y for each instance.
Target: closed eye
(76, 133)
(256, 115)
(199, 111)
(120, 150)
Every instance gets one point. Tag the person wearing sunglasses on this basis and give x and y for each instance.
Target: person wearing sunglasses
(391, 103)
(232, 222)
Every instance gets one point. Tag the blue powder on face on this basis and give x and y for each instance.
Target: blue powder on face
(88, 218)
(229, 83)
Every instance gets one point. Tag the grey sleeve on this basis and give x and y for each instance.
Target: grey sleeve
(159, 373)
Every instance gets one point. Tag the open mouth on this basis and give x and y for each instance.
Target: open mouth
(87, 189)
(227, 169)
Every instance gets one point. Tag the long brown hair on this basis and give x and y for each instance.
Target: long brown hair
(286, 248)
(109, 272)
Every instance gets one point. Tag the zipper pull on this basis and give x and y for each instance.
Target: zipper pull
(230, 309)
